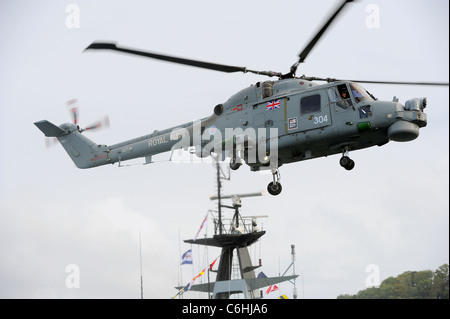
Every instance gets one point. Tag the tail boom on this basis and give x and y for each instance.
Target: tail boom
(87, 154)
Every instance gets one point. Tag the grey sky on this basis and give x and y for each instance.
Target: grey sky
(391, 210)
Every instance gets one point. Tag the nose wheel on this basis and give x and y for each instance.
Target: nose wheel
(346, 162)
(274, 188)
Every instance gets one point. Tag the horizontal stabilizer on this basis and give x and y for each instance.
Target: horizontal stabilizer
(49, 129)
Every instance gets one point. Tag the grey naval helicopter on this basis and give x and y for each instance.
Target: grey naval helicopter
(267, 124)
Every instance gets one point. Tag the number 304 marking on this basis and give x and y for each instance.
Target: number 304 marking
(320, 119)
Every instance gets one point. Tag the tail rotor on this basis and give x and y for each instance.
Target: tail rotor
(73, 109)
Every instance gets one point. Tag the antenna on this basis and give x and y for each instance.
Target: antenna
(234, 242)
(236, 198)
(214, 197)
(219, 206)
(140, 258)
(293, 271)
(220, 175)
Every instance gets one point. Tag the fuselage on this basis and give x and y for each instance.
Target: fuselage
(267, 124)
(312, 120)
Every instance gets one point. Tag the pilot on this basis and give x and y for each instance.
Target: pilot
(344, 94)
(346, 102)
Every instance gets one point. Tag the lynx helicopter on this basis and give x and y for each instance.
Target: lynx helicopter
(267, 124)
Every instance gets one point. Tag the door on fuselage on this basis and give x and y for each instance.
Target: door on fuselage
(308, 111)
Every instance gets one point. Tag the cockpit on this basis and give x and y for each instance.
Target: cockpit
(340, 95)
(359, 93)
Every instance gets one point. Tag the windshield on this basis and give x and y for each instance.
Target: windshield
(359, 93)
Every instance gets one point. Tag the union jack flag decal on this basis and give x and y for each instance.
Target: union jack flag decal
(272, 105)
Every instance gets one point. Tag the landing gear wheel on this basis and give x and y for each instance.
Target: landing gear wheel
(347, 163)
(274, 189)
(350, 165)
(344, 161)
(234, 166)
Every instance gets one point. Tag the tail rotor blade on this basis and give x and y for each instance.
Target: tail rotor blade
(73, 109)
(103, 123)
(50, 141)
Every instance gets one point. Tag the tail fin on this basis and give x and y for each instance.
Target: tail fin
(49, 129)
(83, 152)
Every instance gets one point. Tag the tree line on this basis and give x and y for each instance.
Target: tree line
(425, 284)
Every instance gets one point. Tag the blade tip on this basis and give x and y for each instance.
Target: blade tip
(102, 46)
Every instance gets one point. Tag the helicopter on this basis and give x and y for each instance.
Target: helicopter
(267, 124)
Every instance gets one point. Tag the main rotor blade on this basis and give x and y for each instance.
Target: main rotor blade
(404, 83)
(329, 80)
(168, 58)
(302, 56)
(319, 34)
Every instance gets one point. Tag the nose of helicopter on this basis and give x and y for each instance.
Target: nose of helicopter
(403, 131)
(410, 119)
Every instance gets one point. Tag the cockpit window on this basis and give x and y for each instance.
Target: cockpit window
(340, 96)
(359, 93)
